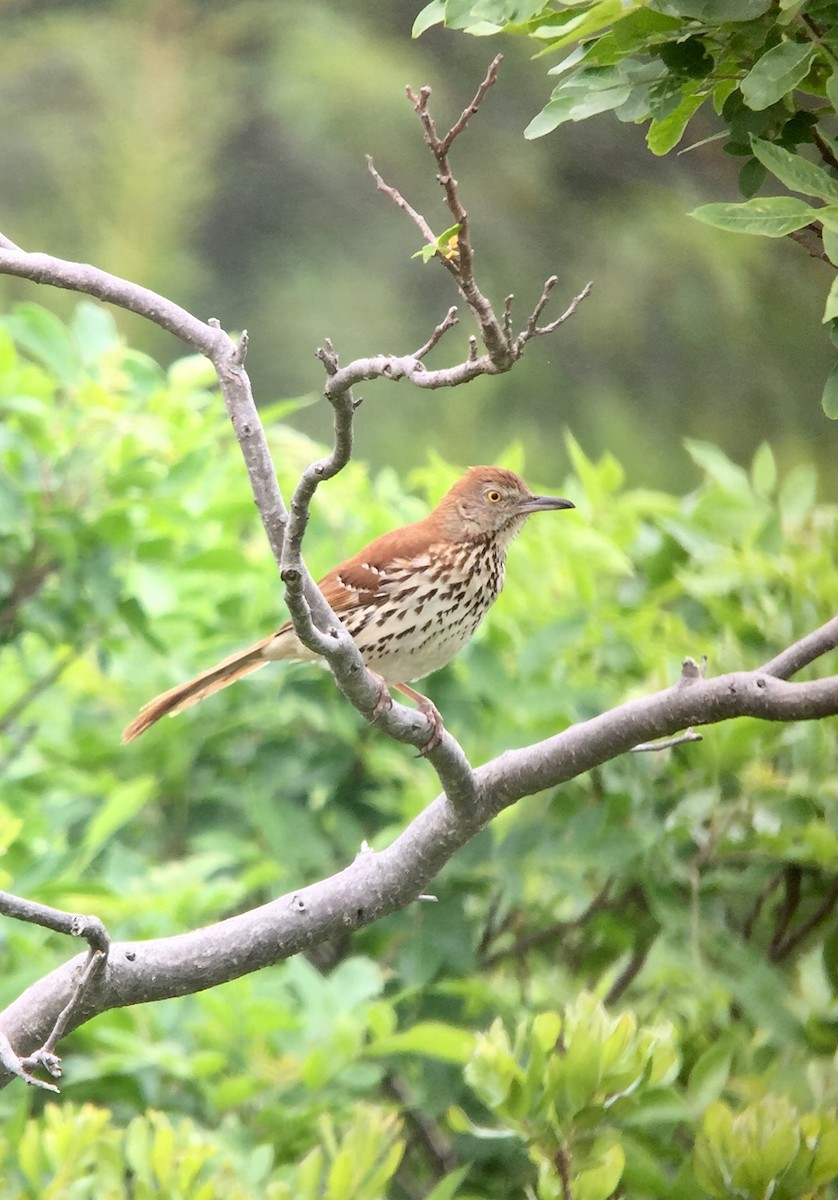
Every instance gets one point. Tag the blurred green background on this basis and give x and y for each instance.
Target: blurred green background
(214, 151)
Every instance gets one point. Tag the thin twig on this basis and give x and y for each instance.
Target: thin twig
(18, 743)
(629, 973)
(398, 199)
(56, 919)
(826, 152)
(792, 890)
(562, 1163)
(812, 250)
(437, 1148)
(540, 330)
(523, 944)
(498, 347)
(689, 735)
(468, 112)
(448, 322)
(756, 908)
(793, 939)
(96, 960)
(503, 348)
(18, 1067)
(14, 711)
(98, 942)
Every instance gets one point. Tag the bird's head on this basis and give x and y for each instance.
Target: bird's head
(491, 502)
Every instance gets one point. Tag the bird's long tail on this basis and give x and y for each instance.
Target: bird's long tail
(185, 694)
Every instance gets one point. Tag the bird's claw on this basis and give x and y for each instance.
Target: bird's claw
(384, 701)
(434, 717)
(428, 709)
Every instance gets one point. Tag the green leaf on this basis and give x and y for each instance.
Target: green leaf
(828, 215)
(94, 330)
(442, 245)
(590, 20)
(431, 14)
(448, 1186)
(832, 89)
(777, 73)
(798, 492)
(714, 12)
(769, 216)
(599, 1182)
(796, 172)
(709, 1076)
(43, 335)
(583, 93)
(764, 471)
(665, 134)
(751, 178)
(715, 463)
(829, 399)
(123, 803)
(825, 1162)
(830, 244)
(830, 312)
(434, 1039)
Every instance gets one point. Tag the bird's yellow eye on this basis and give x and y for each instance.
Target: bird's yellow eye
(493, 496)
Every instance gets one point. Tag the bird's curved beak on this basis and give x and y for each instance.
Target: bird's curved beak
(543, 504)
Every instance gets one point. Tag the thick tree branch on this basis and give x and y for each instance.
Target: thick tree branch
(381, 882)
(809, 648)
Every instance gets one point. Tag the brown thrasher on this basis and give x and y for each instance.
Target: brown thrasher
(411, 599)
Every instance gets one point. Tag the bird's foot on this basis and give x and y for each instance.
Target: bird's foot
(429, 710)
(384, 701)
(425, 706)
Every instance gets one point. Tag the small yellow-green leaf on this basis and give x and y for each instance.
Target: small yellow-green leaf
(432, 1039)
(665, 134)
(764, 470)
(825, 1161)
(600, 1181)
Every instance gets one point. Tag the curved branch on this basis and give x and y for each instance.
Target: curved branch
(809, 648)
(381, 882)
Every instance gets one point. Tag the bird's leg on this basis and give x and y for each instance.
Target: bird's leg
(425, 706)
(384, 700)
(430, 710)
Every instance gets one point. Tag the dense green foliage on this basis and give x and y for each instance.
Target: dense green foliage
(692, 893)
(768, 70)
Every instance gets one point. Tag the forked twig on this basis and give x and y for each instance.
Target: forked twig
(74, 925)
(503, 346)
(689, 735)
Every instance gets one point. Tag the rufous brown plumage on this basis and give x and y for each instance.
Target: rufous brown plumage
(411, 599)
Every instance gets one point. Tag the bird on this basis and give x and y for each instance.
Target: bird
(411, 599)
